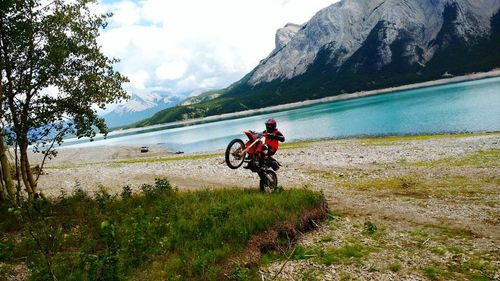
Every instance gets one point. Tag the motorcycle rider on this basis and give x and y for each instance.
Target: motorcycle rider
(273, 137)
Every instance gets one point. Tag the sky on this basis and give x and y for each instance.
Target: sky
(186, 47)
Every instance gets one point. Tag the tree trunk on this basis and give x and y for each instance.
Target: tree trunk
(4, 161)
(26, 171)
(2, 192)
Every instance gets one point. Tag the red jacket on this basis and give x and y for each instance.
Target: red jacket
(274, 142)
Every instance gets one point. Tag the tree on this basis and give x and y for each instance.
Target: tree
(52, 45)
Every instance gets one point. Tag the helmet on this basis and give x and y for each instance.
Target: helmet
(270, 125)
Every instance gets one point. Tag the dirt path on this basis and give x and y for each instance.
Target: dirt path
(435, 201)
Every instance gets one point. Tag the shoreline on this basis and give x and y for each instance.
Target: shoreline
(458, 79)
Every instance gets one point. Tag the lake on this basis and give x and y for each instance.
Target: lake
(462, 107)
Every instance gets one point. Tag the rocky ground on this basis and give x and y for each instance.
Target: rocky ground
(403, 208)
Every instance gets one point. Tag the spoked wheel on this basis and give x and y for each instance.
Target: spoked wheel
(268, 179)
(234, 157)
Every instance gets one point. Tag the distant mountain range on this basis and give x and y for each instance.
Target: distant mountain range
(140, 107)
(358, 45)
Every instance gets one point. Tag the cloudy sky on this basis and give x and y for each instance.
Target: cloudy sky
(185, 46)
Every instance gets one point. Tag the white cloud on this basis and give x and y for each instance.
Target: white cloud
(189, 82)
(125, 13)
(171, 71)
(138, 79)
(208, 83)
(182, 46)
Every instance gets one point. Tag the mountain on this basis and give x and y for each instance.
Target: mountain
(140, 107)
(356, 45)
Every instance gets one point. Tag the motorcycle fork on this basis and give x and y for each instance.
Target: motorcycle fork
(263, 175)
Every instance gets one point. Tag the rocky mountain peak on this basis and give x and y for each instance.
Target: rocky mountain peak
(285, 34)
(344, 27)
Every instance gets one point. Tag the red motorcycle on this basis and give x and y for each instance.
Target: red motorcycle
(253, 152)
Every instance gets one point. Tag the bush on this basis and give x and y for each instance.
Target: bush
(126, 192)
(176, 235)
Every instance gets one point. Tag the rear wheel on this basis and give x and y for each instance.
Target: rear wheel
(234, 156)
(268, 179)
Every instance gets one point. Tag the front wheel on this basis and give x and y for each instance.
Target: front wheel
(268, 179)
(234, 154)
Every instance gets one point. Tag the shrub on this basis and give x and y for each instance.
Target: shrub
(126, 192)
(177, 235)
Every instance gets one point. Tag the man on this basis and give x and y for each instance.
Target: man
(273, 137)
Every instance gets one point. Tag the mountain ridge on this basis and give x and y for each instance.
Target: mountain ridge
(401, 42)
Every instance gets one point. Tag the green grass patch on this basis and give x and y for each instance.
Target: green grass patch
(161, 234)
(168, 159)
(298, 144)
(347, 254)
(118, 163)
(432, 272)
(389, 140)
(395, 267)
(350, 252)
(480, 159)
(421, 187)
(67, 166)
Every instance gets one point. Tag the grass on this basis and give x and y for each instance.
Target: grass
(395, 267)
(389, 140)
(481, 159)
(161, 234)
(431, 272)
(346, 254)
(411, 185)
(298, 144)
(168, 159)
(118, 163)
(349, 253)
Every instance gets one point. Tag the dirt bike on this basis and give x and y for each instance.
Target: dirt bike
(253, 152)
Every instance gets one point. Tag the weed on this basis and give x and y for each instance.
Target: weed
(431, 272)
(334, 215)
(440, 251)
(346, 276)
(327, 239)
(277, 188)
(347, 254)
(7, 247)
(241, 273)
(126, 192)
(102, 197)
(369, 228)
(78, 192)
(395, 267)
(5, 270)
(309, 275)
(301, 252)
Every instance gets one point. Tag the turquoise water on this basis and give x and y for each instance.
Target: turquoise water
(463, 107)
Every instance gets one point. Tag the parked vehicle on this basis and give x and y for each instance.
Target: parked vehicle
(144, 149)
(252, 153)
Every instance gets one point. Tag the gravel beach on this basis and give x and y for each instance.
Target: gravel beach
(116, 166)
(428, 197)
